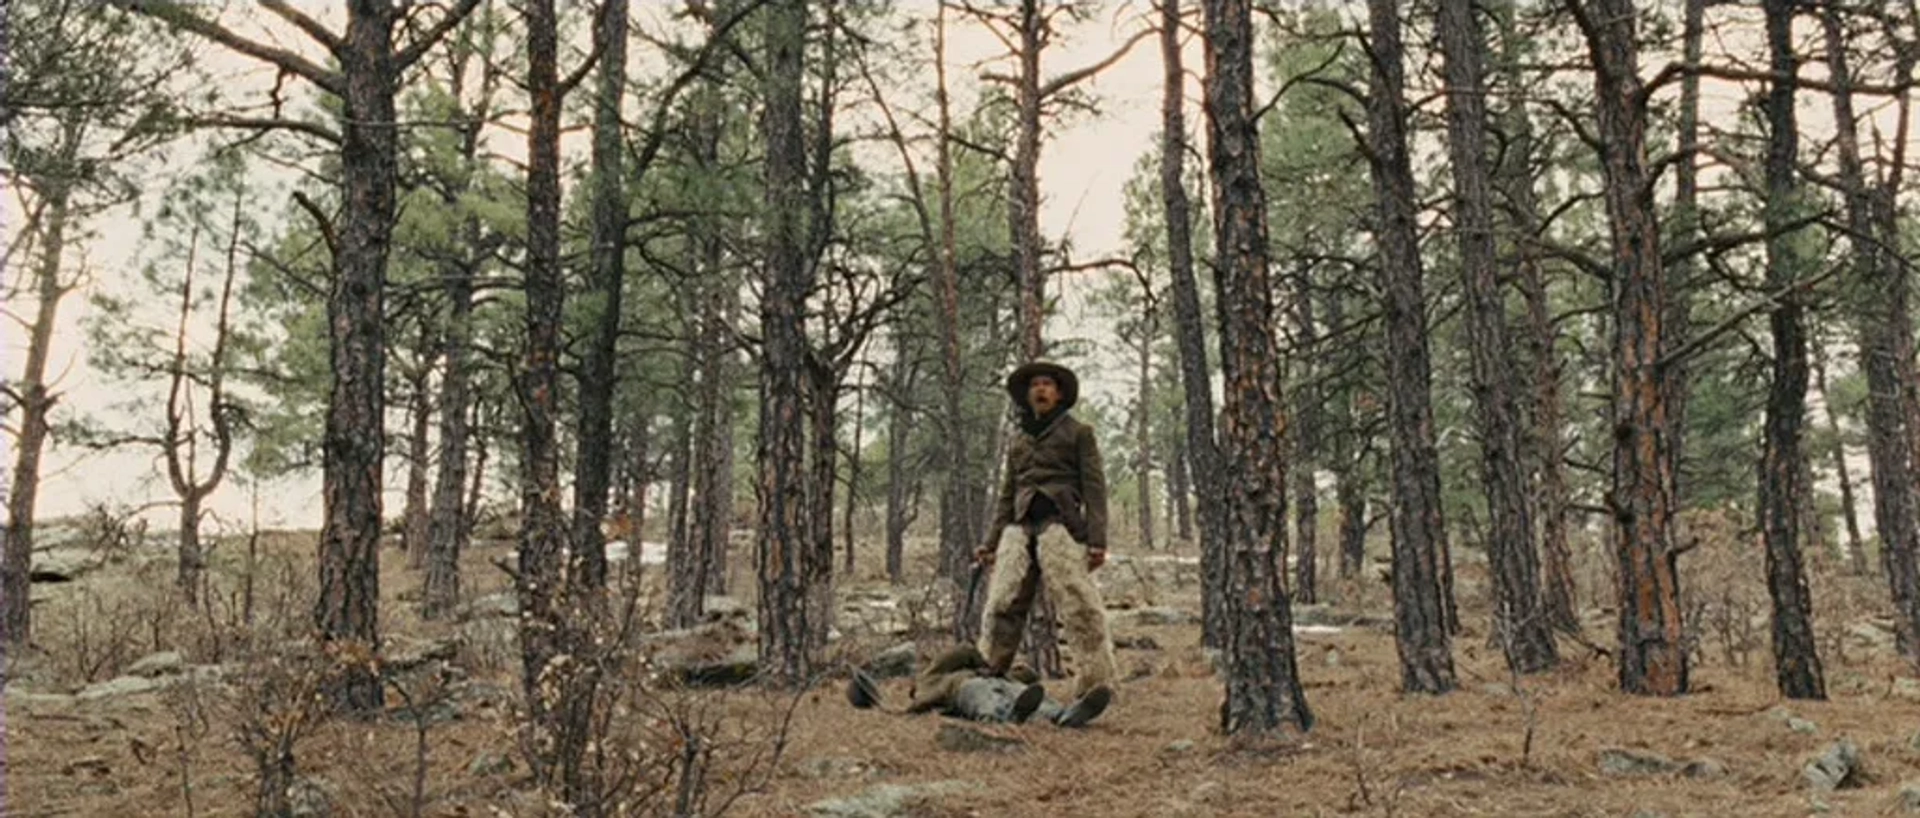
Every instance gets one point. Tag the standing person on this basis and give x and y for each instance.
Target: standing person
(1050, 526)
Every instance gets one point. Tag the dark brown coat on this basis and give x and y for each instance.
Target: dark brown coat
(1061, 461)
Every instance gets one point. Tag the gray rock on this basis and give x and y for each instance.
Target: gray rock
(1620, 762)
(488, 764)
(890, 800)
(719, 608)
(1907, 688)
(62, 564)
(1836, 768)
(310, 797)
(1327, 616)
(1704, 768)
(1908, 798)
(894, 662)
(1154, 617)
(1802, 726)
(28, 700)
(1871, 635)
(158, 664)
(1135, 643)
(121, 686)
(840, 767)
(491, 605)
(958, 738)
(1179, 748)
(405, 653)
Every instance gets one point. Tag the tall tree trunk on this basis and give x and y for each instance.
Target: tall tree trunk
(36, 401)
(1179, 492)
(1558, 594)
(899, 428)
(1881, 291)
(784, 548)
(1203, 457)
(823, 415)
(1306, 448)
(1681, 276)
(1419, 576)
(686, 559)
(593, 453)
(482, 445)
(1023, 205)
(355, 437)
(1856, 551)
(1796, 661)
(448, 525)
(1520, 624)
(718, 295)
(414, 515)
(960, 521)
(853, 474)
(550, 623)
(1263, 692)
(1653, 656)
(1143, 433)
(1350, 490)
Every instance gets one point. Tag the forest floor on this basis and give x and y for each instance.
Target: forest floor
(97, 726)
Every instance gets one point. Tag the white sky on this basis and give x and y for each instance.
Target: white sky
(1084, 165)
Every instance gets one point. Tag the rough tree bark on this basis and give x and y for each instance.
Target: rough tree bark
(36, 401)
(1419, 592)
(1263, 692)
(415, 516)
(1856, 551)
(1686, 227)
(1521, 626)
(1545, 441)
(1653, 657)
(960, 518)
(1796, 661)
(593, 453)
(1880, 290)
(783, 536)
(1202, 455)
(901, 489)
(555, 652)
(1306, 448)
(1143, 426)
(448, 528)
(1179, 493)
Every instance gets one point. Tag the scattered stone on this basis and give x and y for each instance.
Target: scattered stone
(62, 564)
(121, 686)
(405, 653)
(1327, 616)
(895, 661)
(1136, 643)
(1616, 761)
(1837, 768)
(1332, 657)
(31, 701)
(1179, 748)
(1802, 726)
(491, 605)
(1908, 798)
(310, 797)
(890, 800)
(719, 608)
(1142, 669)
(157, 664)
(1704, 768)
(1872, 635)
(840, 767)
(1155, 616)
(962, 739)
(1207, 791)
(1907, 688)
(1501, 689)
(94, 766)
(488, 764)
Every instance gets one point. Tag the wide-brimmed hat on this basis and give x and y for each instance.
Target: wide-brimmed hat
(1063, 377)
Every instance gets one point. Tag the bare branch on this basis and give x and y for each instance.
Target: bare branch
(320, 217)
(412, 53)
(1074, 77)
(266, 124)
(177, 16)
(312, 27)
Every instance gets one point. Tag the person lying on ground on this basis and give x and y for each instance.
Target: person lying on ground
(953, 685)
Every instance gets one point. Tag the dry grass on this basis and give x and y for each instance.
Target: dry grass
(1373, 752)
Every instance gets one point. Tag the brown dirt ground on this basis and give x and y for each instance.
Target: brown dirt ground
(1371, 752)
